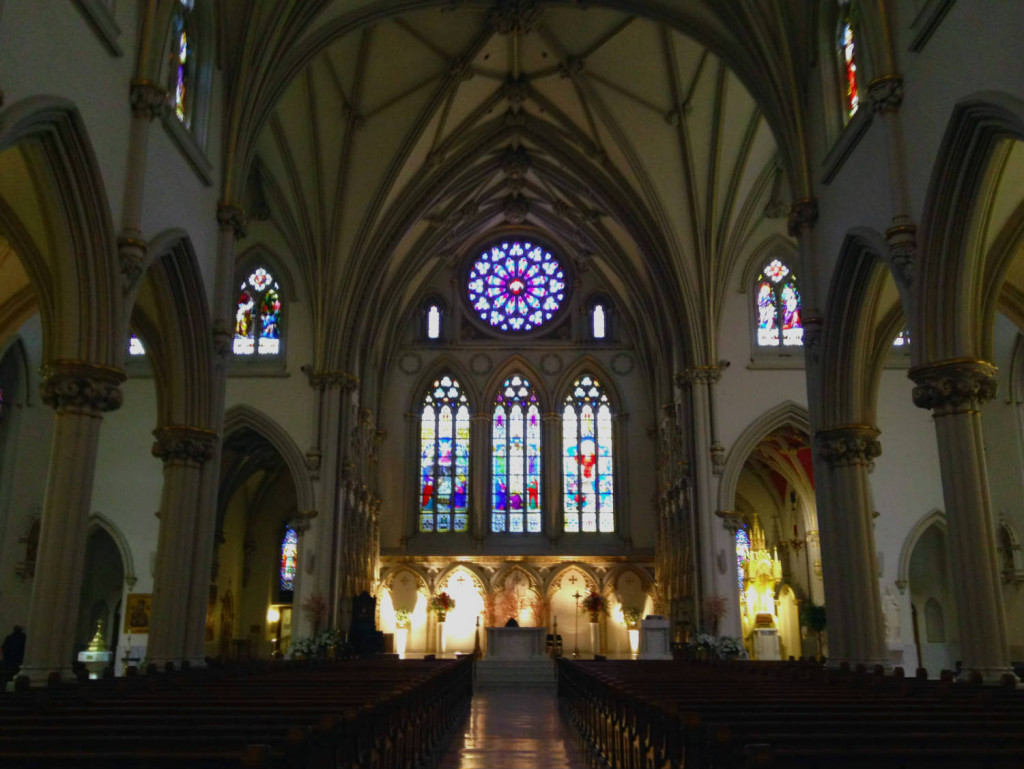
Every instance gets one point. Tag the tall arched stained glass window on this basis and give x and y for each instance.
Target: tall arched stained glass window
(597, 316)
(433, 322)
(516, 286)
(515, 458)
(444, 457)
(182, 60)
(778, 307)
(742, 554)
(289, 559)
(848, 62)
(258, 315)
(588, 482)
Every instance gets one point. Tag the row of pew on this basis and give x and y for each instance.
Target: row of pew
(365, 714)
(789, 715)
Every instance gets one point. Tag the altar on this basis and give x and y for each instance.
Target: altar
(516, 643)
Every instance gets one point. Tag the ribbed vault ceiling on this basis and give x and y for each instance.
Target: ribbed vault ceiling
(400, 143)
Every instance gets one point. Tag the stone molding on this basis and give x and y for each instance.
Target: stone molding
(147, 99)
(184, 444)
(803, 214)
(885, 93)
(702, 374)
(80, 387)
(231, 216)
(732, 521)
(956, 386)
(902, 241)
(848, 445)
(323, 380)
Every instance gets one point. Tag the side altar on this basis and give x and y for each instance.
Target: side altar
(516, 643)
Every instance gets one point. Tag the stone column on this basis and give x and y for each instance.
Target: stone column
(623, 526)
(184, 451)
(955, 390)
(79, 393)
(856, 629)
(480, 480)
(148, 102)
(551, 469)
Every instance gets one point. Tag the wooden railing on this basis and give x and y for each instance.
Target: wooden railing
(379, 714)
(741, 715)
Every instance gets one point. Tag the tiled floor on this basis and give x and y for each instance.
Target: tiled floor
(514, 729)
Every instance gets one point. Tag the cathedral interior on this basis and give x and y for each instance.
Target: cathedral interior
(714, 310)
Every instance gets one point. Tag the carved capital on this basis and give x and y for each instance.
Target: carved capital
(231, 217)
(802, 215)
(325, 380)
(731, 520)
(813, 327)
(303, 520)
(177, 443)
(717, 458)
(223, 339)
(147, 100)
(132, 252)
(848, 445)
(702, 374)
(903, 252)
(886, 93)
(955, 386)
(515, 16)
(78, 387)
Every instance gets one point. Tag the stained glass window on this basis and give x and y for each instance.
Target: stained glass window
(289, 558)
(778, 307)
(515, 458)
(848, 63)
(182, 60)
(742, 554)
(433, 322)
(135, 346)
(258, 315)
(598, 321)
(444, 458)
(587, 485)
(516, 286)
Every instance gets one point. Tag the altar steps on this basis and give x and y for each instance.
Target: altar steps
(497, 673)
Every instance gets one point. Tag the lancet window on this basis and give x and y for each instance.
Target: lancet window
(182, 64)
(289, 559)
(778, 307)
(587, 458)
(516, 458)
(258, 315)
(847, 55)
(444, 458)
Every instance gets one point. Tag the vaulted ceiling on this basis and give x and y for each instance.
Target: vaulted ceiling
(400, 142)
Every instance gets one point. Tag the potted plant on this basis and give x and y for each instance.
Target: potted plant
(594, 603)
(712, 609)
(631, 616)
(402, 618)
(812, 616)
(442, 603)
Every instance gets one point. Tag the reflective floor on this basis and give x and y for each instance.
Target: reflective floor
(514, 729)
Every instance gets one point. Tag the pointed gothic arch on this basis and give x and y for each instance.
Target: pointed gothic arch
(244, 416)
(934, 517)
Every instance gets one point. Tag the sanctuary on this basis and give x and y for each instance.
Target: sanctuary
(572, 313)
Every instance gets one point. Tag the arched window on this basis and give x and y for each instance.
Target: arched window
(135, 346)
(258, 315)
(289, 559)
(182, 65)
(847, 54)
(516, 286)
(742, 554)
(515, 458)
(433, 321)
(444, 457)
(902, 339)
(597, 321)
(778, 307)
(588, 482)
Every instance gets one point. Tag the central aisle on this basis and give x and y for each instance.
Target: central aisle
(514, 729)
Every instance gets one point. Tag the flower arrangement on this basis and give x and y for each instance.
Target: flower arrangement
(719, 647)
(712, 609)
(317, 646)
(595, 602)
(315, 609)
(402, 617)
(442, 603)
(631, 615)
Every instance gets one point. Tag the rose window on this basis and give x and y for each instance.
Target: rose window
(516, 286)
